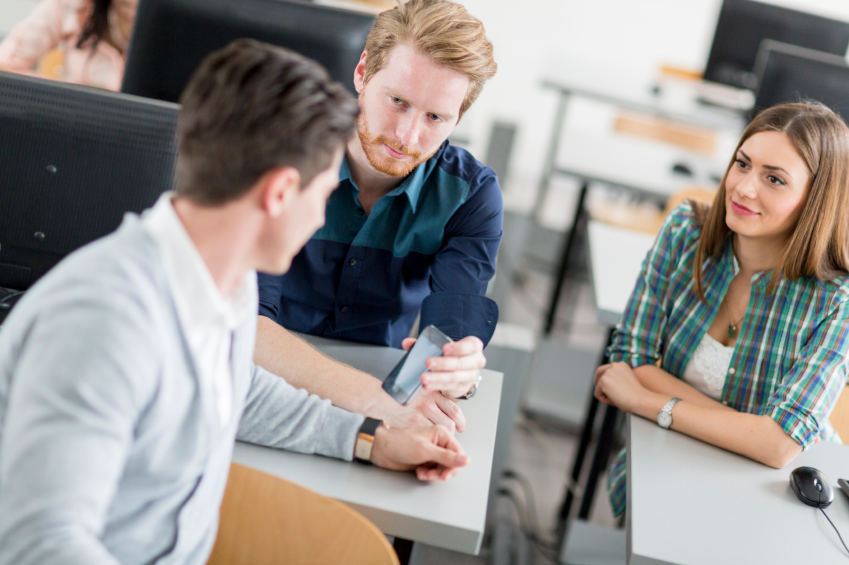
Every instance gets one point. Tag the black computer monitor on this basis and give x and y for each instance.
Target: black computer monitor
(74, 159)
(789, 73)
(743, 24)
(172, 37)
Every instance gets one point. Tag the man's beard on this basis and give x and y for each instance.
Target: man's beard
(372, 147)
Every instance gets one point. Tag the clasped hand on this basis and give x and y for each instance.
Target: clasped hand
(432, 451)
(617, 384)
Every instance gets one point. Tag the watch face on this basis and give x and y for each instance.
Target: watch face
(664, 419)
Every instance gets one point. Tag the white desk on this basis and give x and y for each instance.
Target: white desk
(450, 515)
(616, 255)
(690, 502)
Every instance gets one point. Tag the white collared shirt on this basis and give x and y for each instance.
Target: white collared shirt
(208, 317)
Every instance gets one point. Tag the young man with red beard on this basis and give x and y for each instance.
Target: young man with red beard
(413, 227)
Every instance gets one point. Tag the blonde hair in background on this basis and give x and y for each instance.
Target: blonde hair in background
(819, 244)
(440, 29)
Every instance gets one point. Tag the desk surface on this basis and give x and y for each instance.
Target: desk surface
(674, 100)
(616, 255)
(690, 502)
(639, 165)
(451, 515)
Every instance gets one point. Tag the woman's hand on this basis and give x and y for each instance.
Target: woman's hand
(616, 384)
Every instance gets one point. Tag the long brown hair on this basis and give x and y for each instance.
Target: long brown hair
(819, 244)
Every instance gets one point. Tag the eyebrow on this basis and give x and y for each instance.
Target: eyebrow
(770, 167)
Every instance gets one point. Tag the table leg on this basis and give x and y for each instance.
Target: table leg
(404, 548)
(565, 257)
(551, 154)
(600, 459)
(581, 453)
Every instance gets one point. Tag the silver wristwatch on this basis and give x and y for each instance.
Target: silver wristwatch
(664, 417)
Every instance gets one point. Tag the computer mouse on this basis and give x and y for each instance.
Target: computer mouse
(811, 486)
(682, 169)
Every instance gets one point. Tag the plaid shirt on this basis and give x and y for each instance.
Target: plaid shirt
(790, 360)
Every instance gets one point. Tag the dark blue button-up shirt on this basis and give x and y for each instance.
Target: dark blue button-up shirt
(428, 245)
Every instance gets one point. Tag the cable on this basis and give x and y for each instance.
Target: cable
(835, 530)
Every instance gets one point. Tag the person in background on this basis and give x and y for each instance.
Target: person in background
(91, 35)
(413, 227)
(126, 373)
(737, 331)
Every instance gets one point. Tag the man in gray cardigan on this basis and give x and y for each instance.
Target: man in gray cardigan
(126, 373)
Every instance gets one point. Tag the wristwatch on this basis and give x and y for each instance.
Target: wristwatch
(365, 439)
(664, 417)
(471, 392)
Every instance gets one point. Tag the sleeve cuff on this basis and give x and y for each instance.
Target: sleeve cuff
(459, 315)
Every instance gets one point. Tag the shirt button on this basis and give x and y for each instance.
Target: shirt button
(725, 402)
(352, 262)
(731, 371)
(344, 308)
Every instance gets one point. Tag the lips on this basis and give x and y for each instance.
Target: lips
(394, 153)
(742, 210)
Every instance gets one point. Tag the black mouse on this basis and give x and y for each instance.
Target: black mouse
(682, 169)
(811, 486)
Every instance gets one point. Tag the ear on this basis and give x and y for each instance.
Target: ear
(279, 187)
(360, 73)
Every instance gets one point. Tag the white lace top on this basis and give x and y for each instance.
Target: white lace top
(708, 367)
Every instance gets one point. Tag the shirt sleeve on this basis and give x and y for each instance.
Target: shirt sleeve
(33, 36)
(639, 337)
(279, 415)
(805, 398)
(81, 378)
(464, 265)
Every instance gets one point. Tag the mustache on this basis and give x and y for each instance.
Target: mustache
(399, 147)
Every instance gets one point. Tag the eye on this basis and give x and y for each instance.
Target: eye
(434, 117)
(775, 180)
(741, 163)
(397, 101)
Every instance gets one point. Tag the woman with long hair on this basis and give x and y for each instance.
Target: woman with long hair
(737, 330)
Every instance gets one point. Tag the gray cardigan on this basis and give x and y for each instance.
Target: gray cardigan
(110, 448)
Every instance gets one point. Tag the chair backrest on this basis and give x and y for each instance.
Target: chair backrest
(265, 520)
(840, 416)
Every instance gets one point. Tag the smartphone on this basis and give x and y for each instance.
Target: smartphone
(404, 381)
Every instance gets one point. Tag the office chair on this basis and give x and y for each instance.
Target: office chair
(265, 520)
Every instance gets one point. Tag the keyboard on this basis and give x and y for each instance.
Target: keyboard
(8, 298)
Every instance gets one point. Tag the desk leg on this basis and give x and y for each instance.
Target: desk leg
(583, 445)
(602, 454)
(565, 257)
(404, 548)
(578, 463)
(551, 155)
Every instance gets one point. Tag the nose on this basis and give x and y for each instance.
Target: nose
(407, 129)
(746, 186)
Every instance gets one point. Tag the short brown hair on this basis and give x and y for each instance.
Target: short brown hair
(440, 29)
(250, 108)
(819, 244)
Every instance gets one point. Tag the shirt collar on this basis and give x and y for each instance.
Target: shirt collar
(412, 184)
(199, 302)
